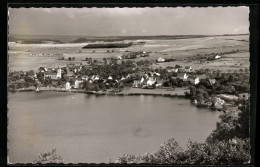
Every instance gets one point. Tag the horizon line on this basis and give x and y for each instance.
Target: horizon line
(127, 35)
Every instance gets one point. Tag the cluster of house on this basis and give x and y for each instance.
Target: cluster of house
(133, 55)
(148, 80)
(152, 79)
(218, 102)
(71, 74)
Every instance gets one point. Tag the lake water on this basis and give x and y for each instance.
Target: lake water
(88, 128)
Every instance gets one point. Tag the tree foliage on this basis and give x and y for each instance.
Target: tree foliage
(49, 156)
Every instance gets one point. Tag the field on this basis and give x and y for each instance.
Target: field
(188, 51)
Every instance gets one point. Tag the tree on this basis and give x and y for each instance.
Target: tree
(243, 119)
(246, 70)
(49, 156)
(199, 99)
(178, 66)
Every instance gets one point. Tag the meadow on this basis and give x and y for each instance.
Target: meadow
(188, 51)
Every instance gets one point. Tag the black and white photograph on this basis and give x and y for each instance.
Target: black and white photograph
(161, 85)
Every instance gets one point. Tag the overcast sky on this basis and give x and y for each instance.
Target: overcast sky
(128, 21)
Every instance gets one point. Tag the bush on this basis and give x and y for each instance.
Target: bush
(49, 156)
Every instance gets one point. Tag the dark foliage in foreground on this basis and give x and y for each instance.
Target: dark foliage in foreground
(49, 156)
(228, 144)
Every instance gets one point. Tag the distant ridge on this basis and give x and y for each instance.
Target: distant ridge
(85, 39)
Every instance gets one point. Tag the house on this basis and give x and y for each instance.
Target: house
(68, 87)
(151, 81)
(84, 77)
(142, 80)
(160, 59)
(69, 73)
(53, 74)
(182, 76)
(193, 79)
(197, 80)
(155, 73)
(212, 81)
(189, 69)
(209, 104)
(136, 83)
(78, 68)
(110, 78)
(219, 101)
(128, 76)
(95, 77)
(201, 77)
(217, 57)
(159, 83)
(77, 83)
(123, 78)
(145, 76)
(119, 58)
(173, 70)
(119, 61)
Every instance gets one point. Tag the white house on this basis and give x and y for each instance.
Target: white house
(76, 84)
(189, 69)
(136, 83)
(212, 81)
(119, 58)
(53, 75)
(217, 57)
(128, 76)
(197, 80)
(95, 77)
(110, 78)
(151, 82)
(142, 80)
(182, 76)
(157, 74)
(68, 86)
(219, 101)
(160, 59)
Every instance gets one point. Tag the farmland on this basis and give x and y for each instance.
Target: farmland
(187, 51)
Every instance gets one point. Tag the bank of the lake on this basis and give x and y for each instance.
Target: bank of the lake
(176, 92)
(89, 128)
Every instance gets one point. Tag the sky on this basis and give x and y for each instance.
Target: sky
(129, 21)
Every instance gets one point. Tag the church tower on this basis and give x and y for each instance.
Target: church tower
(59, 73)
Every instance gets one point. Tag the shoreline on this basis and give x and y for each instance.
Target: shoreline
(126, 92)
(129, 91)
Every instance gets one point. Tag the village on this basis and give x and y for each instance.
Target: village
(113, 75)
(131, 85)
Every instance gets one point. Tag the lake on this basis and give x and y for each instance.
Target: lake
(93, 129)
